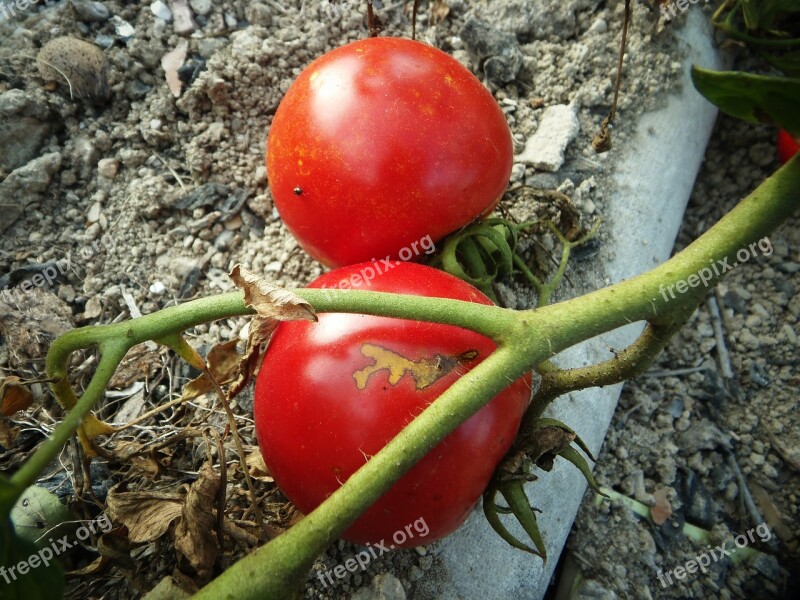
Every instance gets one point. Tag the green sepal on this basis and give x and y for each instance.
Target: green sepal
(576, 459)
(514, 494)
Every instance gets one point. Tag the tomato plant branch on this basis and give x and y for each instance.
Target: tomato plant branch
(626, 364)
(278, 568)
(111, 355)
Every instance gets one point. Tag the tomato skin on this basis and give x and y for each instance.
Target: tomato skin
(380, 143)
(787, 146)
(315, 426)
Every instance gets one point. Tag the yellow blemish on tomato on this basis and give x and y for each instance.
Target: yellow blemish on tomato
(448, 80)
(314, 75)
(425, 371)
(299, 162)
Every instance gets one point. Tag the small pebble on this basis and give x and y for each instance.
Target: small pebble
(89, 11)
(108, 167)
(161, 11)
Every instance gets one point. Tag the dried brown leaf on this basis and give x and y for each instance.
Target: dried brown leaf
(139, 364)
(8, 434)
(223, 361)
(270, 301)
(146, 514)
(15, 395)
(171, 62)
(661, 511)
(272, 304)
(257, 467)
(195, 538)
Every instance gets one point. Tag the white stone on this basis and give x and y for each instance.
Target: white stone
(545, 149)
(161, 10)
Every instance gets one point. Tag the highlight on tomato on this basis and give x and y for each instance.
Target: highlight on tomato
(331, 394)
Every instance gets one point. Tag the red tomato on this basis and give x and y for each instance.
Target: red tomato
(380, 143)
(787, 146)
(331, 394)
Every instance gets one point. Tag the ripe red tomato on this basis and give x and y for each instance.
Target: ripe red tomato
(787, 146)
(331, 394)
(380, 143)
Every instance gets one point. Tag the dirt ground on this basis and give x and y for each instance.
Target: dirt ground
(151, 194)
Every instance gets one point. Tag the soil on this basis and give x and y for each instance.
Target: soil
(143, 193)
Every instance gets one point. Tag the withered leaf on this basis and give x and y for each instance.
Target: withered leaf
(146, 514)
(139, 364)
(195, 539)
(270, 301)
(15, 395)
(661, 511)
(257, 467)
(272, 304)
(223, 362)
(8, 434)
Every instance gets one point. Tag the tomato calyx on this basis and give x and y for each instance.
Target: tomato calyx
(539, 447)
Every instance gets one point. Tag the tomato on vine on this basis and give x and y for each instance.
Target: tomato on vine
(380, 143)
(331, 394)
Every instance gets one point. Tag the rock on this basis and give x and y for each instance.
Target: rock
(383, 587)
(137, 89)
(84, 156)
(498, 53)
(79, 65)
(201, 7)
(108, 167)
(32, 308)
(545, 149)
(24, 184)
(259, 14)
(89, 11)
(184, 20)
(124, 30)
(698, 504)
(735, 301)
(161, 11)
(24, 127)
(703, 435)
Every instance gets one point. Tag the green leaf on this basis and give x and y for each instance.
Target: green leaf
(788, 62)
(42, 578)
(39, 515)
(753, 98)
(750, 12)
